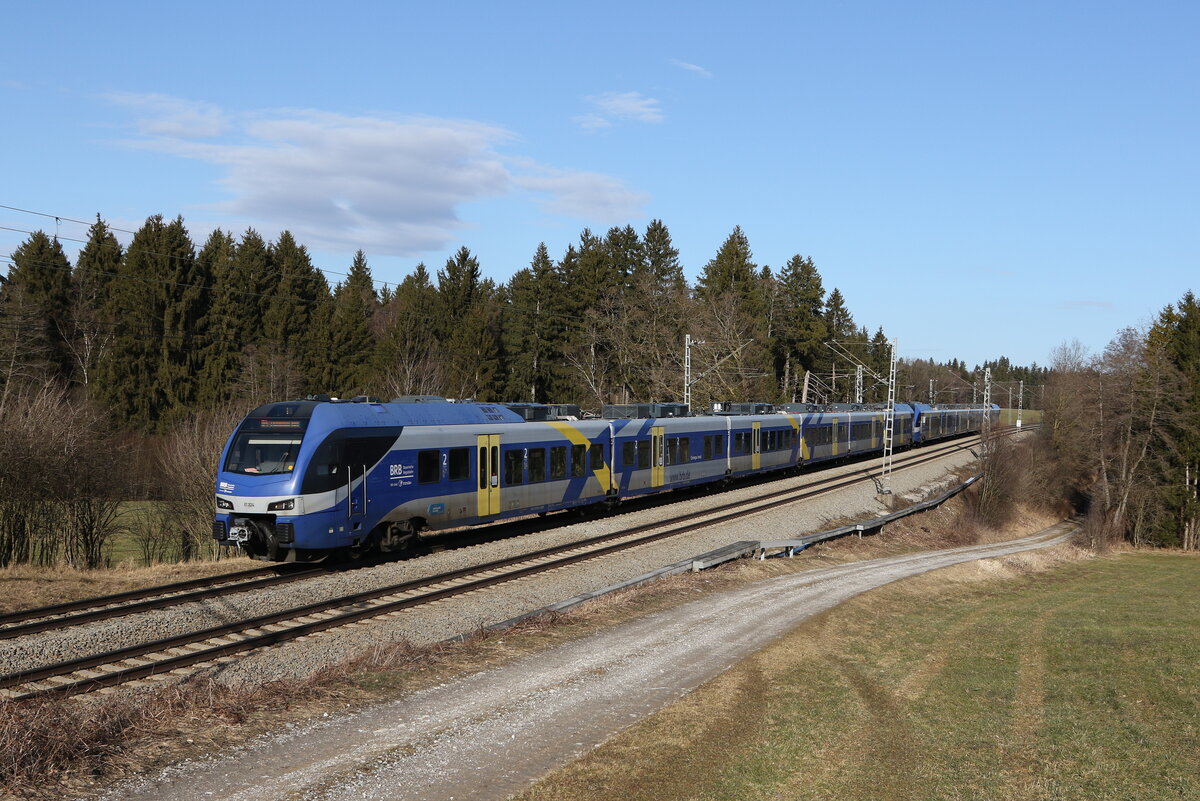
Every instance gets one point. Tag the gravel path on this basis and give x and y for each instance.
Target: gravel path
(489, 735)
(443, 620)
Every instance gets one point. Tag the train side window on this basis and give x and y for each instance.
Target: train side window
(514, 464)
(460, 464)
(597, 453)
(672, 450)
(707, 446)
(537, 465)
(719, 445)
(685, 449)
(577, 452)
(628, 454)
(558, 462)
(643, 453)
(429, 467)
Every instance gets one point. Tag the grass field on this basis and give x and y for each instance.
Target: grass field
(1008, 417)
(1078, 683)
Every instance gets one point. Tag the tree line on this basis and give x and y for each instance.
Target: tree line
(1123, 430)
(160, 329)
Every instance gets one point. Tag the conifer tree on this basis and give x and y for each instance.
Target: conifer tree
(734, 313)
(662, 258)
(97, 266)
(458, 287)
(188, 298)
(294, 298)
(157, 301)
(838, 320)
(654, 320)
(533, 329)
(351, 343)
(36, 300)
(731, 272)
(251, 279)
(800, 327)
(410, 361)
(469, 327)
(624, 256)
(220, 354)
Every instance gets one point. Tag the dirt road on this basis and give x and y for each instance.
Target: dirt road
(491, 734)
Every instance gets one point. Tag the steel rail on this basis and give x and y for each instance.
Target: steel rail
(667, 529)
(134, 595)
(161, 602)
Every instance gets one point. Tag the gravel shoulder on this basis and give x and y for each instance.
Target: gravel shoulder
(490, 734)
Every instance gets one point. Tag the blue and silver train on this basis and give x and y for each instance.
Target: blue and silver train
(301, 479)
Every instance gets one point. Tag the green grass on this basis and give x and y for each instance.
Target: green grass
(1079, 683)
(1008, 417)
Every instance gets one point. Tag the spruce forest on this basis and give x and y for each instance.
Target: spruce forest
(122, 374)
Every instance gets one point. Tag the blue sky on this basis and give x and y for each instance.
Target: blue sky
(979, 179)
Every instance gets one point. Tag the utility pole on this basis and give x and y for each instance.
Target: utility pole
(932, 397)
(1020, 401)
(858, 381)
(687, 369)
(889, 428)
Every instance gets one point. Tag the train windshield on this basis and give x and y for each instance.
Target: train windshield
(259, 453)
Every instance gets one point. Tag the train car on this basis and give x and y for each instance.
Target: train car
(301, 479)
(950, 420)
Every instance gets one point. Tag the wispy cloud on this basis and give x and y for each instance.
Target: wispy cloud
(683, 65)
(592, 122)
(585, 195)
(620, 106)
(1087, 304)
(163, 115)
(393, 186)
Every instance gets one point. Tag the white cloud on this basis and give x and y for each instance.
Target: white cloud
(392, 186)
(162, 115)
(586, 195)
(620, 106)
(683, 65)
(592, 122)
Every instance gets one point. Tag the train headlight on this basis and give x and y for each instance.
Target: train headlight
(282, 506)
(224, 504)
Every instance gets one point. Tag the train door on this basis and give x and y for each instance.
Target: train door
(489, 474)
(658, 458)
(756, 446)
(833, 436)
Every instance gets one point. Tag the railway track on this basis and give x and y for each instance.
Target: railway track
(212, 645)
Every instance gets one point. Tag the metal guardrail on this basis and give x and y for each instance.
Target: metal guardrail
(800, 543)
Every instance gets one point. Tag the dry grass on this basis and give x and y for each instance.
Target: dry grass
(25, 587)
